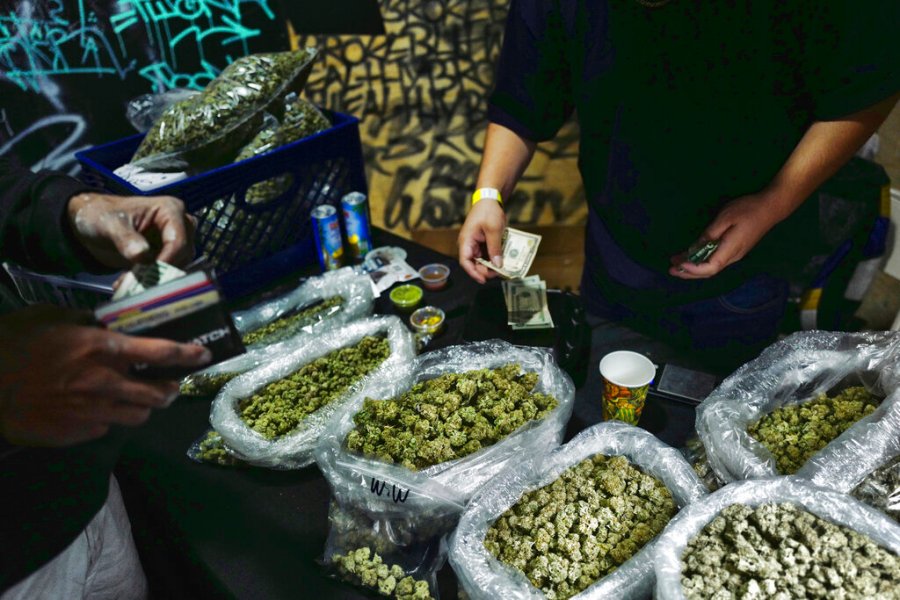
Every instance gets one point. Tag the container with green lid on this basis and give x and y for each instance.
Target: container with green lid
(406, 297)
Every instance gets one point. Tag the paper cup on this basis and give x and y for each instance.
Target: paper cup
(626, 377)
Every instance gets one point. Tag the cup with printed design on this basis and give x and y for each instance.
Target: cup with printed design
(626, 377)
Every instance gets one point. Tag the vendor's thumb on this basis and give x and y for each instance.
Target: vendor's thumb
(494, 242)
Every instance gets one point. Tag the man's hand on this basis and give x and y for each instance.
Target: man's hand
(739, 226)
(122, 230)
(63, 382)
(481, 236)
(825, 146)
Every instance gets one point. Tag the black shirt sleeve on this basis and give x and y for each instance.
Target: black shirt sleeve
(34, 228)
(852, 61)
(532, 92)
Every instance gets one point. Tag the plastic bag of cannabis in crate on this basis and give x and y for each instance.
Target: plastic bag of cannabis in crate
(142, 112)
(800, 395)
(575, 522)
(865, 461)
(403, 463)
(207, 130)
(273, 416)
(320, 303)
(301, 119)
(777, 538)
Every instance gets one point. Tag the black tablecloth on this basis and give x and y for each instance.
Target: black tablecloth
(207, 531)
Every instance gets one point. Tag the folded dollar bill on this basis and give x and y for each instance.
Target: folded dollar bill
(519, 249)
(700, 251)
(145, 276)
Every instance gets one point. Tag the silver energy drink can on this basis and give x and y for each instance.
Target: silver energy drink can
(356, 221)
(327, 229)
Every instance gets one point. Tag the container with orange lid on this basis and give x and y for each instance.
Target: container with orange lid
(434, 276)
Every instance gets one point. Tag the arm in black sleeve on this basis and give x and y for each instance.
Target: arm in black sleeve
(532, 92)
(34, 226)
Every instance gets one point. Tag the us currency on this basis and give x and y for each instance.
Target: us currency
(701, 251)
(519, 249)
(526, 303)
(145, 276)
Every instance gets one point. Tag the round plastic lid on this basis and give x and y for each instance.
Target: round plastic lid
(427, 319)
(406, 295)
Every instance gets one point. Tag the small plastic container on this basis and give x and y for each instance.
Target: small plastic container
(406, 297)
(434, 276)
(427, 320)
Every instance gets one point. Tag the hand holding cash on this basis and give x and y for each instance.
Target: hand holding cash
(526, 297)
(519, 249)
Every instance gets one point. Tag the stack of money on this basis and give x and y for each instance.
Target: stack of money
(526, 297)
(526, 303)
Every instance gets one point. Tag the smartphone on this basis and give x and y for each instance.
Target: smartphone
(684, 385)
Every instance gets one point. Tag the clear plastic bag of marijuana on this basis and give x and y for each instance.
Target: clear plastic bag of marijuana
(407, 510)
(274, 415)
(318, 304)
(209, 381)
(832, 507)
(207, 130)
(800, 374)
(301, 119)
(482, 575)
(142, 112)
(865, 461)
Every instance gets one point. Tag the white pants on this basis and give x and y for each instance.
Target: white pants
(101, 563)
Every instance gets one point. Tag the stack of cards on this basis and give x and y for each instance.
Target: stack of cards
(162, 301)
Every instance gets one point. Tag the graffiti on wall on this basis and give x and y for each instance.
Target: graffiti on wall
(421, 93)
(67, 70)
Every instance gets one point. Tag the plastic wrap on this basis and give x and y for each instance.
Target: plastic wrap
(212, 379)
(408, 514)
(207, 130)
(301, 119)
(851, 457)
(848, 463)
(355, 289)
(294, 450)
(142, 112)
(481, 575)
(881, 488)
(794, 371)
(832, 506)
(210, 449)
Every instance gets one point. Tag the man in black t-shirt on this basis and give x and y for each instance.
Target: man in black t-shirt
(699, 121)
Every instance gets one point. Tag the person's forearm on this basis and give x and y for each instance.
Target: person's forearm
(822, 150)
(33, 226)
(506, 155)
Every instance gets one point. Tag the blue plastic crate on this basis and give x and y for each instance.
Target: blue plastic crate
(252, 244)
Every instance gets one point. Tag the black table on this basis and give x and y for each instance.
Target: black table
(205, 531)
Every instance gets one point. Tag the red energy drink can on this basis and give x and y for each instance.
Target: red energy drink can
(356, 221)
(327, 229)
